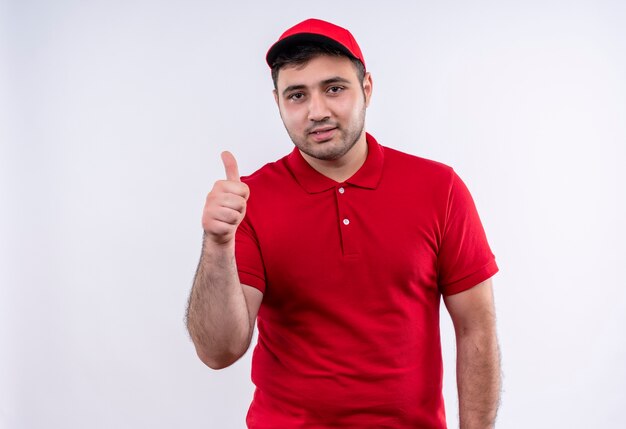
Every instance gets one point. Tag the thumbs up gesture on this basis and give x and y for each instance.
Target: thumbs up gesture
(225, 205)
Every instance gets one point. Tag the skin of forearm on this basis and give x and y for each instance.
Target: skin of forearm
(217, 315)
(478, 379)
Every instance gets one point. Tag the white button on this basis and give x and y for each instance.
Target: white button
(341, 190)
(346, 221)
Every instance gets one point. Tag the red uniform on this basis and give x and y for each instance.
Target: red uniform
(352, 275)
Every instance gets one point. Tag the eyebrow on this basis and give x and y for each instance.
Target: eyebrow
(335, 79)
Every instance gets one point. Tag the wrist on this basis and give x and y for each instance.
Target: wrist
(211, 244)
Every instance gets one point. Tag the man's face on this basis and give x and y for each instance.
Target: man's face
(322, 104)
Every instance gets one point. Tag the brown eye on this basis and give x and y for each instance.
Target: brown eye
(335, 89)
(295, 96)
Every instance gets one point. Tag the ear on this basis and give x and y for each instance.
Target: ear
(276, 97)
(277, 100)
(368, 86)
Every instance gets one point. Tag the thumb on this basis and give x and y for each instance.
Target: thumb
(230, 166)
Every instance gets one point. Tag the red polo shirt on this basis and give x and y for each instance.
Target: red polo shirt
(352, 275)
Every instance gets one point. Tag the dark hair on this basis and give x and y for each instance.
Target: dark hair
(301, 54)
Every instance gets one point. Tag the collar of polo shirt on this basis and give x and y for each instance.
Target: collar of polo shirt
(368, 176)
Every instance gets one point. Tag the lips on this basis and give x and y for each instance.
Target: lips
(323, 134)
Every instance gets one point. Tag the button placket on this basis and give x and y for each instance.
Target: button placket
(345, 218)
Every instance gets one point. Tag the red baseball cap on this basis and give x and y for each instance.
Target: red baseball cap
(316, 31)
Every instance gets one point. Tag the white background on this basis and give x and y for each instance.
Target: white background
(113, 115)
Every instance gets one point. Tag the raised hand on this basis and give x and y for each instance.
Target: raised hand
(225, 206)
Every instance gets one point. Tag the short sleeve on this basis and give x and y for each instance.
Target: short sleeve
(464, 258)
(248, 256)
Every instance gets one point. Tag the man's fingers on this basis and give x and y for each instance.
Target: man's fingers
(230, 166)
(232, 200)
(225, 205)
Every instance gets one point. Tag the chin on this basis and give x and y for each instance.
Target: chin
(330, 155)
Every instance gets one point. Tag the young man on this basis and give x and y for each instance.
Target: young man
(341, 251)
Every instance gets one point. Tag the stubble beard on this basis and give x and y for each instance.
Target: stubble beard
(347, 139)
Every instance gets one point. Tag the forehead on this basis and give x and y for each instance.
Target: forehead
(316, 70)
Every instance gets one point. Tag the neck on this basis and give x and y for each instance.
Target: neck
(343, 168)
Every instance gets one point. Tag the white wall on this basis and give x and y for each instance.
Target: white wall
(113, 114)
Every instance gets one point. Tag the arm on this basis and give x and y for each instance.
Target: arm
(478, 355)
(221, 311)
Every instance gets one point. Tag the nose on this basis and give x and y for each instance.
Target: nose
(318, 110)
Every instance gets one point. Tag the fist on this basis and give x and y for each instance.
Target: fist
(225, 205)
